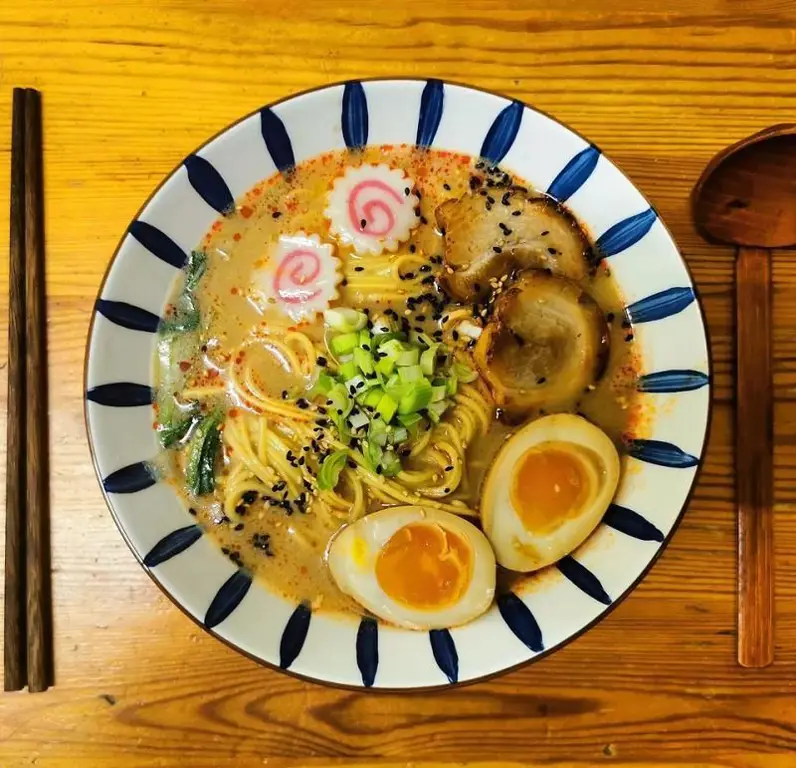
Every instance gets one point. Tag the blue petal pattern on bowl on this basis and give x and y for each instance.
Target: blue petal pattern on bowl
(368, 650)
(228, 598)
(128, 316)
(277, 141)
(171, 545)
(209, 184)
(123, 394)
(355, 115)
(131, 479)
(445, 653)
(583, 579)
(294, 635)
(660, 305)
(673, 381)
(661, 453)
(502, 133)
(627, 232)
(574, 174)
(432, 102)
(521, 621)
(158, 243)
(631, 523)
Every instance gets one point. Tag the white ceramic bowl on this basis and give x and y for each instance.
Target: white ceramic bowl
(565, 599)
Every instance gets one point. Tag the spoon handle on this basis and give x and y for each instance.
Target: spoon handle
(754, 442)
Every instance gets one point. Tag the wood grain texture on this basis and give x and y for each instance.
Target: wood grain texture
(754, 458)
(131, 88)
(14, 618)
(37, 506)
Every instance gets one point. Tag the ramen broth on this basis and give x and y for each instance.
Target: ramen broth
(287, 550)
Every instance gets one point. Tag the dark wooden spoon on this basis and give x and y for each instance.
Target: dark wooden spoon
(747, 197)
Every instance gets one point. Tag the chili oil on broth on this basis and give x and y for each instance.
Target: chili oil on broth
(292, 560)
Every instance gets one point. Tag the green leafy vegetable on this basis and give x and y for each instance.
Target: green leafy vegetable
(202, 453)
(175, 430)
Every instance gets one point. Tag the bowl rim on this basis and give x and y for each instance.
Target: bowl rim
(379, 690)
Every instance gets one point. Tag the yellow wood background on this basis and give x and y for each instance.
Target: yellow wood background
(130, 88)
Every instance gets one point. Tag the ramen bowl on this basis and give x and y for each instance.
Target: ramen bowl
(661, 454)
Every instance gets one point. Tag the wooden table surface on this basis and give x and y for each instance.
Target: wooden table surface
(130, 88)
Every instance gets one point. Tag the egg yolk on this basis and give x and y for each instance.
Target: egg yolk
(424, 566)
(549, 485)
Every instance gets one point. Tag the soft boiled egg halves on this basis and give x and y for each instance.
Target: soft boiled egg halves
(415, 567)
(547, 490)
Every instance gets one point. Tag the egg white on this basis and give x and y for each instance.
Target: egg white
(518, 548)
(352, 559)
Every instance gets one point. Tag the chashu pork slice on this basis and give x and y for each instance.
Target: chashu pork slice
(489, 236)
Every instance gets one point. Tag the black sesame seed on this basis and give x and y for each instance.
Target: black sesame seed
(192, 511)
(406, 191)
(344, 282)
(516, 213)
(409, 276)
(352, 464)
(284, 394)
(417, 210)
(359, 269)
(412, 248)
(322, 361)
(363, 223)
(302, 403)
(276, 214)
(250, 497)
(449, 468)
(497, 249)
(447, 490)
(610, 317)
(629, 337)
(545, 233)
(424, 220)
(420, 318)
(506, 198)
(455, 335)
(241, 510)
(552, 251)
(490, 199)
(429, 280)
(446, 187)
(541, 380)
(239, 527)
(475, 182)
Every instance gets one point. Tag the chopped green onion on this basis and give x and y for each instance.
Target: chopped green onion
(410, 374)
(408, 357)
(358, 420)
(331, 467)
(381, 338)
(377, 432)
(392, 349)
(417, 398)
(386, 408)
(428, 360)
(372, 397)
(435, 410)
(390, 464)
(348, 370)
(364, 338)
(344, 343)
(345, 320)
(464, 373)
(363, 360)
(385, 366)
(438, 393)
(399, 434)
(409, 419)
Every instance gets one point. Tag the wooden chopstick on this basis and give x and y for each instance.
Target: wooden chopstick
(14, 632)
(39, 619)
